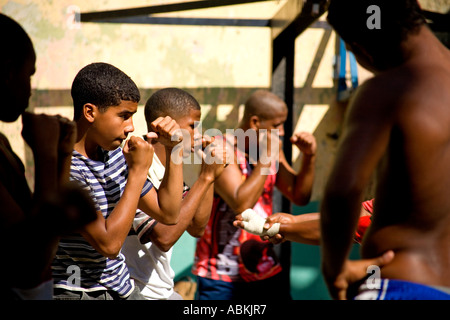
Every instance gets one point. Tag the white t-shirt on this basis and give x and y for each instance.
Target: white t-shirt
(148, 265)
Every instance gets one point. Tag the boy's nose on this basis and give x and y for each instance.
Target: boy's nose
(129, 127)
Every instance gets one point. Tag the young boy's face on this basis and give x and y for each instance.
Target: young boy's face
(188, 123)
(113, 125)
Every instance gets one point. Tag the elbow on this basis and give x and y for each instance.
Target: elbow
(302, 200)
(111, 256)
(164, 244)
(170, 217)
(242, 207)
(169, 220)
(199, 233)
(240, 203)
(164, 247)
(196, 232)
(111, 252)
(300, 195)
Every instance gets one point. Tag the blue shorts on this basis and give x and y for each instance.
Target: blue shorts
(209, 289)
(390, 289)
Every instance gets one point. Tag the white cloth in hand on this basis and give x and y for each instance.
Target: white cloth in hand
(254, 224)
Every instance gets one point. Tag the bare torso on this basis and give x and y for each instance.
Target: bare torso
(412, 206)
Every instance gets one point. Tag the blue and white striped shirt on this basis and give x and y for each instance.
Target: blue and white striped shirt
(105, 181)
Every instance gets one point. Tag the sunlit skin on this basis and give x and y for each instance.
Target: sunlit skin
(109, 128)
(263, 112)
(294, 185)
(397, 127)
(196, 206)
(190, 124)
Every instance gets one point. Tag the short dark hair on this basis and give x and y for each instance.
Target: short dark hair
(16, 43)
(399, 19)
(172, 102)
(103, 85)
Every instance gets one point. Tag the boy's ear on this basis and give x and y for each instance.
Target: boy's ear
(89, 112)
(254, 122)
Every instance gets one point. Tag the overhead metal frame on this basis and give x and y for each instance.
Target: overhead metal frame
(165, 8)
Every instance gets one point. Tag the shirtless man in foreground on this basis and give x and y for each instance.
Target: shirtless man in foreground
(398, 124)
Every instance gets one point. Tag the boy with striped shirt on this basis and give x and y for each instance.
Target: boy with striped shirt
(90, 265)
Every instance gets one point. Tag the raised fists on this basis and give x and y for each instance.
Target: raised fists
(305, 142)
(138, 154)
(166, 131)
(214, 155)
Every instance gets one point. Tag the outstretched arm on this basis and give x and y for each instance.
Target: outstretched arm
(303, 228)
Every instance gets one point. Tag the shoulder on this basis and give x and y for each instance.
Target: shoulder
(382, 98)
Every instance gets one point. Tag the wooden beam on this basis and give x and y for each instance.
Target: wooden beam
(284, 16)
(142, 11)
(189, 21)
(311, 11)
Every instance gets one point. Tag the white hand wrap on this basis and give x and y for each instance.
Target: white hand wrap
(254, 223)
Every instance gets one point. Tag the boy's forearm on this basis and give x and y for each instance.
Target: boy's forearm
(304, 180)
(107, 235)
(165, 236)
(307, 232)
(170, 191)
(203, 212)
(251, 189)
